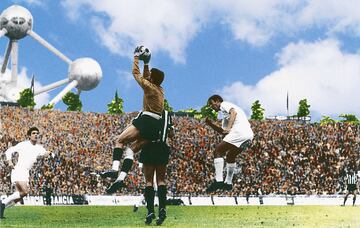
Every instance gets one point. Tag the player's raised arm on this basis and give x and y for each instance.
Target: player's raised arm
(136, 70)
(142, 53)
(146, 71)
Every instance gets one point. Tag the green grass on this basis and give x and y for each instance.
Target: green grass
(184, 216)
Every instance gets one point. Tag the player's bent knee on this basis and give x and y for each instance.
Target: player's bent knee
(24, 193)
(230, 158)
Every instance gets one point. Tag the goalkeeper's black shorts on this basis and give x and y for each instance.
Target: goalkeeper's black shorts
(149, 127)
(155, 153)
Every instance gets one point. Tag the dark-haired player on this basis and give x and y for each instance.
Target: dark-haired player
(28, 152)
(146, 127)
(238, 136)
(155, 157)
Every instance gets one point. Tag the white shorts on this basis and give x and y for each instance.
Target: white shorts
(236, 139)
(19, 175)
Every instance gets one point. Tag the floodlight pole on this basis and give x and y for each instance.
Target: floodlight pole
(49, 46)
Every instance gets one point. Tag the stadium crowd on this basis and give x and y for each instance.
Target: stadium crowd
(285, 156)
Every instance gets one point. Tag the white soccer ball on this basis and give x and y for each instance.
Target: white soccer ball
(145, 53)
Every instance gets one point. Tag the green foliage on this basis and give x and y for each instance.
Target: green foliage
(190, 111)
(26, 99)
(48, 106)
(167, 106)
(73, 101)
(204, 112)
(350, 118)
(257, 111)
(303, 109)
(116, 105)
(327, 120)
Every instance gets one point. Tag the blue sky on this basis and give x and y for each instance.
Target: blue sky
(243, 50)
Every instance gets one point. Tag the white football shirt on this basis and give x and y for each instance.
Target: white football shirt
(241, 125)
(28, 153)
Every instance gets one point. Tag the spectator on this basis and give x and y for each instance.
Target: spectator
(307, 158)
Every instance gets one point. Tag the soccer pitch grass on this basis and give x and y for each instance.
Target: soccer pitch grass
(183, 216)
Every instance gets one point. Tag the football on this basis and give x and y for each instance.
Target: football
(145, 54)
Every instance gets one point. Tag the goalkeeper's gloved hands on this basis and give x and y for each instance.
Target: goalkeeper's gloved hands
(145, 56)
(138, 51)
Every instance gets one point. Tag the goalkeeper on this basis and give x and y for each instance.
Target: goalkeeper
(146, 126)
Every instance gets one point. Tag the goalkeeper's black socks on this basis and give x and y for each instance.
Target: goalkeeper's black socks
(162, 204)
(162, 196)
(149, 198)
(127, 165)
(117, 154)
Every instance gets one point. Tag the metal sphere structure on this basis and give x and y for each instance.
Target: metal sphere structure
(87, 72)
(17, 21)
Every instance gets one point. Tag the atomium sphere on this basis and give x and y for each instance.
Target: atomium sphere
(17, 21)
(87, 72)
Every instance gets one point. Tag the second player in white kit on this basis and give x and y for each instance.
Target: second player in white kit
(238, 136)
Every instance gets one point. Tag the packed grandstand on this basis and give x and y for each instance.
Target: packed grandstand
(285, 156)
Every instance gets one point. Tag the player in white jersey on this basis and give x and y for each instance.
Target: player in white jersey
(238, 136)
(28, 152)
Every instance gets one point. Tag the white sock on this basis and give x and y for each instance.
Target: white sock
(121, 176)
(219, 169)
(115, 165)
(12, 197)
(155, 183)
(230, 170)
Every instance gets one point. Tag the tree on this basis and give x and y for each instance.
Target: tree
(26, 99)
(116, 105)
(206, 111)
(326, 120)
(189, 111)
(303, 109)
(73, 101)
(48, 106)
(257, 111)
(349, 118)
(167, 106)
